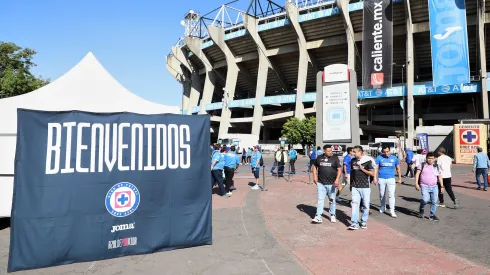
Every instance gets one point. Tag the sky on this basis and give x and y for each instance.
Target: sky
(131, 38)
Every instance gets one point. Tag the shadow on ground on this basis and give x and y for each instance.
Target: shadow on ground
(4, 223)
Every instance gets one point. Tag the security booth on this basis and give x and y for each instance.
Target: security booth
(337, 116)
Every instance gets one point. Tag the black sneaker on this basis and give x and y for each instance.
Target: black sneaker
(434, 218)
(421, 215)
(478, 188)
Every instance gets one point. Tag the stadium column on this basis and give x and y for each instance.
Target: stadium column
(482, 61)
(195, 46)
(217, 34)
(173, 67)
(343, 5)
(304, 59)
(410, 76)
(195, 84)
(251, 26)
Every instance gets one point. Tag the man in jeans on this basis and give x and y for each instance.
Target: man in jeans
(384, 175)
(217, 166)
(362, 169)
(255, 164)
(426, 181)
(480, 168)
(293, 156)
(326, 175)
(409, 161)
(445, 163)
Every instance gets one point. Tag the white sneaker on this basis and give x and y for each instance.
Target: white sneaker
(317, 219)
(393, 215)
(229, 194)
(255, 187)
(381, 211)
(333, 219)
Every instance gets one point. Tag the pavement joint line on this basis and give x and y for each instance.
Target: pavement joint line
(89, 268)
(248, 236)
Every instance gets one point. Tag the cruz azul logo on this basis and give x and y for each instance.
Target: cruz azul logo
(122, 199)
(122, 227)
(469, 136)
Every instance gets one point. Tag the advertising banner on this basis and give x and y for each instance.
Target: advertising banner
(449, 42)
(377, 44)
(93, 186)
(467, 138)
(423, 142)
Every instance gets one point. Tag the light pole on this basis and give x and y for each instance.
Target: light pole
(403, 106)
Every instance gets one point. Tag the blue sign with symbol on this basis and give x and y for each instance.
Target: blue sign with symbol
(449, 42)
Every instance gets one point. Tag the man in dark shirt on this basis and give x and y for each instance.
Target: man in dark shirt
(326, 175)
(362, 169)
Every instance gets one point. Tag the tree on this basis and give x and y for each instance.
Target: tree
(300, 131)
(15, 70)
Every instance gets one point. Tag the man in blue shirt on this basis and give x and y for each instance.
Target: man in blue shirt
(345, 171)
(255, 164)
(385, 177)
(480, 168)
(249, 155)
(232, 161)
(217, 166)
(293, 156)
(409, 160)
(313, 155)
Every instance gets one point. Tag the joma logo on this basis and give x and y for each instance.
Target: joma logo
(122, 227)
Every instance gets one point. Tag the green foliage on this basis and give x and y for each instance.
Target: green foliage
(15, 70)
(300, 131)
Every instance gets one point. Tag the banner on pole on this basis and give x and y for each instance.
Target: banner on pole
(449, 42)
(423, 142)
(93, 186)
(377, 44)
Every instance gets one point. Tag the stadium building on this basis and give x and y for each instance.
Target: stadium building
(251, 70)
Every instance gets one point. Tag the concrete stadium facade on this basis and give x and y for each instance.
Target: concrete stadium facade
(251, 76)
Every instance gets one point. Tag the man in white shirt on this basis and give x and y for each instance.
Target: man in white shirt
(419, 159)
(445, 163)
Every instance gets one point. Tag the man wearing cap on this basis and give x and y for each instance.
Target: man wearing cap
(255, 164)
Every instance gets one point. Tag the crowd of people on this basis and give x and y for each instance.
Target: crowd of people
(432, 174)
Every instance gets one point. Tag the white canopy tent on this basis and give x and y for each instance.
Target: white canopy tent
(86, 87)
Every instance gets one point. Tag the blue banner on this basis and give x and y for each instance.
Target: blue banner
(423, 142)
(449, 42)
(93, 186)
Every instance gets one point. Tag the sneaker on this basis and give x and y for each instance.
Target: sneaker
(229, 193)
(353, 227)
(381, 211)
(333, 219)
(363, 226)
(317, 219)
(478, 188)
(256, 187)
(442, 205)
(226, 195)
(456, 204)
(434, 218)
(421, 215)
(393, 215)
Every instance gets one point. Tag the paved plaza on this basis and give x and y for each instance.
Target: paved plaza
(270, 233)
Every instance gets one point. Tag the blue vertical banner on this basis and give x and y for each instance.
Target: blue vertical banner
(91, 186)
(449, 42)
(423, 142)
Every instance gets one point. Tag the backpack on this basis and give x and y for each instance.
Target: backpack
(281, 158)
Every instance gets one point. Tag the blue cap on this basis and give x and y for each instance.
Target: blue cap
(257, 147)
(227, 148)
